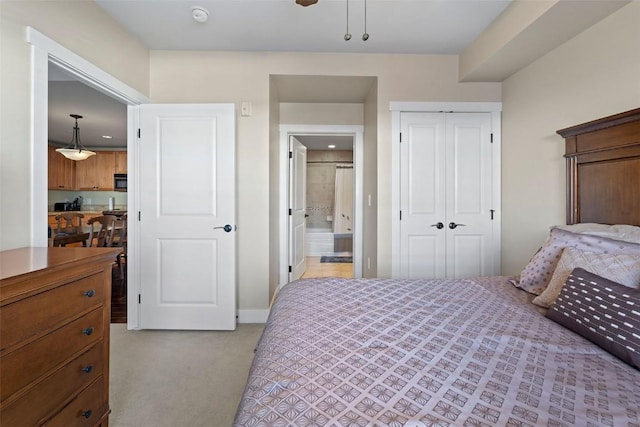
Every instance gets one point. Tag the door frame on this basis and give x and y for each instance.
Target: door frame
(44, 51)
(495, 108)
(358, 163)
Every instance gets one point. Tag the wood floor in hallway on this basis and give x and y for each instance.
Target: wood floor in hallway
(315, 268)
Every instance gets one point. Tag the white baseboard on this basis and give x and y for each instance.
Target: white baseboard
(253, 316)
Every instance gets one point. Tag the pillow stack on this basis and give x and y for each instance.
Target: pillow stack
(588, 275)
(538, 273)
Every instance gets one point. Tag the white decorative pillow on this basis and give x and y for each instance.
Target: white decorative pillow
(620, 268)
(625, 233)
(536, 275)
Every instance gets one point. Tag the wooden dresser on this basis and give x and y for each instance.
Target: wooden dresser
(54, 336)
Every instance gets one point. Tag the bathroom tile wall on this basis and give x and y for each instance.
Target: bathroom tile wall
(321, 178)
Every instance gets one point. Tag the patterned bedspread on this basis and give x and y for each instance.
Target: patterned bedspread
(380, 352)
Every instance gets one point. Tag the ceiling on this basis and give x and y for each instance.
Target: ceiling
(322, 142)
(394, 26)
(102, 115)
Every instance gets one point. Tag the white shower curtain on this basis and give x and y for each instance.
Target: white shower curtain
(343, 216)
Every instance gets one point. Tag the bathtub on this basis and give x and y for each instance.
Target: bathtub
(319, 241)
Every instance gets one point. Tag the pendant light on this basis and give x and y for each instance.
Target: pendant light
(347, 35)
(365, 36)
(76, 151)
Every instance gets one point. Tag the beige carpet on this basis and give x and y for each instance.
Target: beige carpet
(178, 378)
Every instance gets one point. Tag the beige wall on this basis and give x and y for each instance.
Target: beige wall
(294, 113)
(80, 26)
(593, 75)
(235, 77)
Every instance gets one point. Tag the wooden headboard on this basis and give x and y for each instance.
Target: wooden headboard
(603, 170)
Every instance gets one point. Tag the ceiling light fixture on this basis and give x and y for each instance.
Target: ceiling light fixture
(200, 14)
(306, 3)
(107, 136)
(79, 151)
(365, 35)
(331, 146)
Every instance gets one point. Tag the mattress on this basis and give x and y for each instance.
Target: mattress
(472, 352)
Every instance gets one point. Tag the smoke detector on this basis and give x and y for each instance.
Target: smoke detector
(200, 14)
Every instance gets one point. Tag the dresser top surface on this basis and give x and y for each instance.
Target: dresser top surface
(17, 262)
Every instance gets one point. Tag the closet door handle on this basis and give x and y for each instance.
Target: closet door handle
(453, 225)
(439, 225)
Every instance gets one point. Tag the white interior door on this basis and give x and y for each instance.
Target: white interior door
(298, 208)
(469, 195)
(422, 195)
(187, 198)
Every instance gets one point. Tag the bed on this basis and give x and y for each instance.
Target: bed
(476, 352)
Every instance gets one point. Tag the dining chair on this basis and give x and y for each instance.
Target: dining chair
(119, 274)
(69, 223)
(102, 230)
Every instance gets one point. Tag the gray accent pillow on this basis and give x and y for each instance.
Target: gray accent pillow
(536, 275)
(605, 312)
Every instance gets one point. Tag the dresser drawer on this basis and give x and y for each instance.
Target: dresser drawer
(30, 362)
(52, 392)
(85, 410)
(23, 319)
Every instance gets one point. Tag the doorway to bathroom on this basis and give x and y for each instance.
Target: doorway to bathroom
(324, 202)
(329, 207)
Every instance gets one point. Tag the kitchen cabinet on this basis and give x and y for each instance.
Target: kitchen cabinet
(96, 172)
(120, 161)
(54, 346)
(61, 171)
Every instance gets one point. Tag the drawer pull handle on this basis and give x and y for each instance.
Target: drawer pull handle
(87, 413)
(88, 331)
(89, 293)
(88, 368)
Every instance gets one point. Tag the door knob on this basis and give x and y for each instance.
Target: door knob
(439, 225)
(226, 228)
(453, 225)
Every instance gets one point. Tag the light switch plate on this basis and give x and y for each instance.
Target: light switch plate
(245, 109)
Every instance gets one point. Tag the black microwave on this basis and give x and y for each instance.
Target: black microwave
(120, 182)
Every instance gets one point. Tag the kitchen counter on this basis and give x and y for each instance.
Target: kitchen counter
(84, 212)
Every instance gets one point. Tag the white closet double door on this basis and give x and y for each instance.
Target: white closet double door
(447, 224)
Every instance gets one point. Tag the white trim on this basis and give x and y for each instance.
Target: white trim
(133, 225)
(39, 139)
(358, 153)
(396, 108)
(84, 70)
(452, 107)
(395, 194)
(253, 316)
(43, 51)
